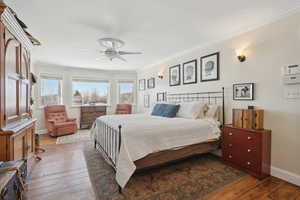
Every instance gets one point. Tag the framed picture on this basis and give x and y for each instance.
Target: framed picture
(210, 67)
(142, 84)
(243, 91)
(190, 72)
(174, 75)
(161, 96)
(146, 100)
(151, 83)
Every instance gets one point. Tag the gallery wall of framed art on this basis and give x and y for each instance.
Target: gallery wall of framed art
(188, 71)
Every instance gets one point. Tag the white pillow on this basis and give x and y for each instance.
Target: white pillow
(191, 110)
(213, 112)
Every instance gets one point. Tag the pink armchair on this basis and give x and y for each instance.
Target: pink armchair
(57, 121)
(124, 109)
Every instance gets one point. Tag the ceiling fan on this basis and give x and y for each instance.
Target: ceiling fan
(111, 46)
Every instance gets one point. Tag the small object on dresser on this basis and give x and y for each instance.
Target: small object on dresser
(88, 115)
(248, 150)
(248, 118)
(12, 177)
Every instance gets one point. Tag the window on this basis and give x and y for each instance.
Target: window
(87, 92)
(51, 90)
(126, 92)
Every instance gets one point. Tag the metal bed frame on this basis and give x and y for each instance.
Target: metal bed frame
(109, 140)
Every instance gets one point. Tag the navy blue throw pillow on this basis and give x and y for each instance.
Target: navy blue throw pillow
(158, 110)
(170, 110)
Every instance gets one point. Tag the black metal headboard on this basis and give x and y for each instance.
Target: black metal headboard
(215, 98)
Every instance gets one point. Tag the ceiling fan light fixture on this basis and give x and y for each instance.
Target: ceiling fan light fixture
(111, 51)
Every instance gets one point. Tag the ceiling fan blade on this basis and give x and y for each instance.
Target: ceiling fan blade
(113, 44)
(120, 57)
(128, 53)
(101, 58)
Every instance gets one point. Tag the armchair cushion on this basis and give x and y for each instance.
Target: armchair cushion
(64, 124)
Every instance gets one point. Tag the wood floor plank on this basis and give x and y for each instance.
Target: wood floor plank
(267, 186)
(240, 187)
(72, 173)
(286, 191)
(61, 186)
(45, 139)
(58, 181)
(68, 192)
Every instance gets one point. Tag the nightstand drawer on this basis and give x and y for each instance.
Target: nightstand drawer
(252, 164)
(241, 137)
(231, 156)
(241, 157)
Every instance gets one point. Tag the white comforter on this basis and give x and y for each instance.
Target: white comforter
(143, 134)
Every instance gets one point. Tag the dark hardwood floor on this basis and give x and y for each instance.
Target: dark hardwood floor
(62, 175)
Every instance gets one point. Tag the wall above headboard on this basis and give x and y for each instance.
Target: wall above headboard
(268, 49)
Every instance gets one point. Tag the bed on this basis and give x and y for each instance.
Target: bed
(139, 141)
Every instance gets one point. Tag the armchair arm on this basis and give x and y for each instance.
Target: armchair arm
(71, 119)
(51, 121)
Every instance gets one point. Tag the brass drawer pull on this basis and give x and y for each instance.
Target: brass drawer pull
(249, 150)
(230, 134)
(249, 138)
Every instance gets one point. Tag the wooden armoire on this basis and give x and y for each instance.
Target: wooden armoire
(17, 127)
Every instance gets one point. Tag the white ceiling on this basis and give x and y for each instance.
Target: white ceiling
(68, 29)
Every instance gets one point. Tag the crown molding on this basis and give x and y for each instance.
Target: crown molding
(40, 64)
(225, 38)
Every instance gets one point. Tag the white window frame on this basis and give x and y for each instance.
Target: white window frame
(50, 77)
(91, 79)
(119, 90)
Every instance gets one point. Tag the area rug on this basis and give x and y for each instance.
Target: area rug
(80, 136)
(190, 179)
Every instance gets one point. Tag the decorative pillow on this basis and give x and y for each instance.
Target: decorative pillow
(192, 110)
(213, 112)
(170, 110)
(158, 110)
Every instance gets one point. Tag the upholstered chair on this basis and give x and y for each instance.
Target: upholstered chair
(124, 109)
(57, 121)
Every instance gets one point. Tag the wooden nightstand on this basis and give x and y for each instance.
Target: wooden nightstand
(248, 150)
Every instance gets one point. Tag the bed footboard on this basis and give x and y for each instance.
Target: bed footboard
(108, 140)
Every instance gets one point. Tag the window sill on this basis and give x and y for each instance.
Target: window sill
(78, 106)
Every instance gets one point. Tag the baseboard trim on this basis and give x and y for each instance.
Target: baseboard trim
(43, 131)
(286, 175)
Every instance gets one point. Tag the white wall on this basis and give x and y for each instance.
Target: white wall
(268, 49)
(67, 73)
